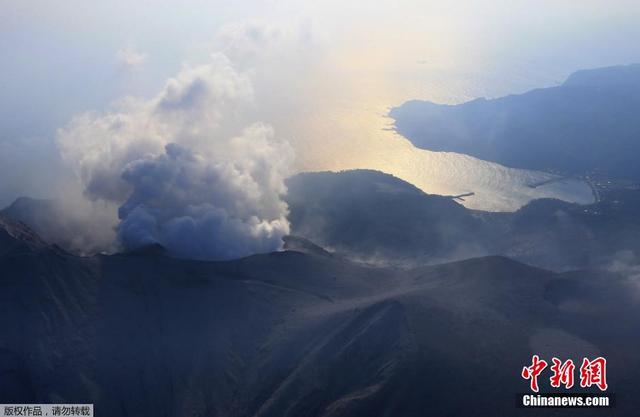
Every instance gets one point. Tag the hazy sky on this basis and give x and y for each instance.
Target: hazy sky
(325, 73)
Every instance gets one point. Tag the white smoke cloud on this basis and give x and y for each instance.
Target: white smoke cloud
(191, 168)
(206, 209)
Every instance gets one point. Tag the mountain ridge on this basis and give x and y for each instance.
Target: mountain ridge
(372, 217)
(292, 333)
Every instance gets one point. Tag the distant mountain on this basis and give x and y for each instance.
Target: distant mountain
(376, 217)
(371, 215)
(588, 123)
(291, 334)
(561, 235)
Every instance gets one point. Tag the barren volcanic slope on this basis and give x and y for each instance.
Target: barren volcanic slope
(296, 334)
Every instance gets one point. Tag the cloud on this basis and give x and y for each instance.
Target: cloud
(130, 60)
(191, 168)
(255, 43)
(198, 107)
(206, 209)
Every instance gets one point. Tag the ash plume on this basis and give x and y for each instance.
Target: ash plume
(189, 168)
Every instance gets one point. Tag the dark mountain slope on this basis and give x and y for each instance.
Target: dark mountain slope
(291, 334)
(16, 237)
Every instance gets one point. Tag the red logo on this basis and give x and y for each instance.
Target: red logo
(532, 372)
(592, 372)
(562, 373)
